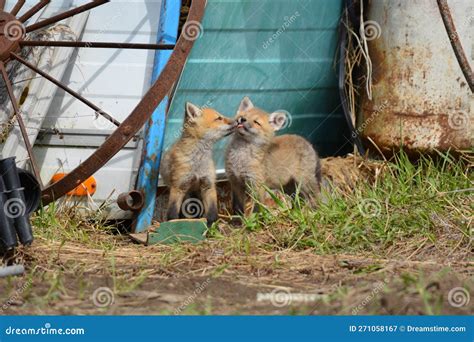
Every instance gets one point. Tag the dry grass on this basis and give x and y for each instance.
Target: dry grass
(330, 252)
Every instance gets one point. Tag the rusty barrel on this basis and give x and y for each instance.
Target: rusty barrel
(420, 97)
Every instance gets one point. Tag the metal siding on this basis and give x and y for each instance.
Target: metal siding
(420, 97)
(115, 80)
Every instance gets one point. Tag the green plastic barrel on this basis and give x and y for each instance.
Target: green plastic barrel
(280, 53)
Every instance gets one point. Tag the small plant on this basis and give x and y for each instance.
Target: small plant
(400, 204)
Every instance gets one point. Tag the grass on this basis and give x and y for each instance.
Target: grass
(407, 202)
(400, 225)
(64, 222)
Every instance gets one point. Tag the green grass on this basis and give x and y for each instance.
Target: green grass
(409, 207)
(64, 222)
(409, 201)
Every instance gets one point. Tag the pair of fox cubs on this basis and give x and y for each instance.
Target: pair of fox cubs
(256, 159)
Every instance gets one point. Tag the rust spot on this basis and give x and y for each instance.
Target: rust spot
(403, 112)
(127, 130)
(378, 58)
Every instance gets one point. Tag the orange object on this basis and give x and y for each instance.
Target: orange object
(88, 187)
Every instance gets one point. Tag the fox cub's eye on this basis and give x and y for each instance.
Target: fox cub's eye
(219, 118)
(258, 123)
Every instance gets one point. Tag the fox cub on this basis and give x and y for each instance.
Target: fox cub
(188, 166)
(255, 157)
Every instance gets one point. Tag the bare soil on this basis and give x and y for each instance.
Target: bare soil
(205, 279)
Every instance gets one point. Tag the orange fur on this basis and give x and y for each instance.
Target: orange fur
(256, 157)
(188, 166)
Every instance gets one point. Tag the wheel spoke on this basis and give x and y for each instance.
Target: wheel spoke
(23, 130)
(33, 10)
(65, 15)
(18, 7)
(106, 45)
(137, 118)
(66, 89)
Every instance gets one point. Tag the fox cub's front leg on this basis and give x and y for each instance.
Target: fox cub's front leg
(239, 195)
(209, 198)
(174, 204)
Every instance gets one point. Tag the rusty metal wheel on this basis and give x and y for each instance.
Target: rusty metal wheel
(14, 36)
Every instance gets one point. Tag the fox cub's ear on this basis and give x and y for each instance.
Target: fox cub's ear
(245, 105)
(277, 120)
(192, 111)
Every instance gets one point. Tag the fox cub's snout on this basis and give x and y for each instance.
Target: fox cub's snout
(207, 124)
(256, 157)
(188, 167)
(255, 125)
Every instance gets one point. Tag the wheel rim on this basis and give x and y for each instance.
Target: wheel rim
(13, 36)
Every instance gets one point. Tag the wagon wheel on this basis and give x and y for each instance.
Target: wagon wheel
(13, 34)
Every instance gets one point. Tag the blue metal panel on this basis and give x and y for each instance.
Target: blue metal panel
(155, 129)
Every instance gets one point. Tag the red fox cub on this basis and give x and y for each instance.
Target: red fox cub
(188, 167)
(255, 157)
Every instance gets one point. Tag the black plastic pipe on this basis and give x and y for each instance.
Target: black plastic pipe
(8, 238)
(15, 207)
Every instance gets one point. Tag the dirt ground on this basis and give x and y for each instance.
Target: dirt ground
(413, 256)
(205, 279)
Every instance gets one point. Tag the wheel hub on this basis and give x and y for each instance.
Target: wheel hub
(11, 32)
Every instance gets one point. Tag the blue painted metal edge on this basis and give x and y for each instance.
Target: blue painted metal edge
(147, 181)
